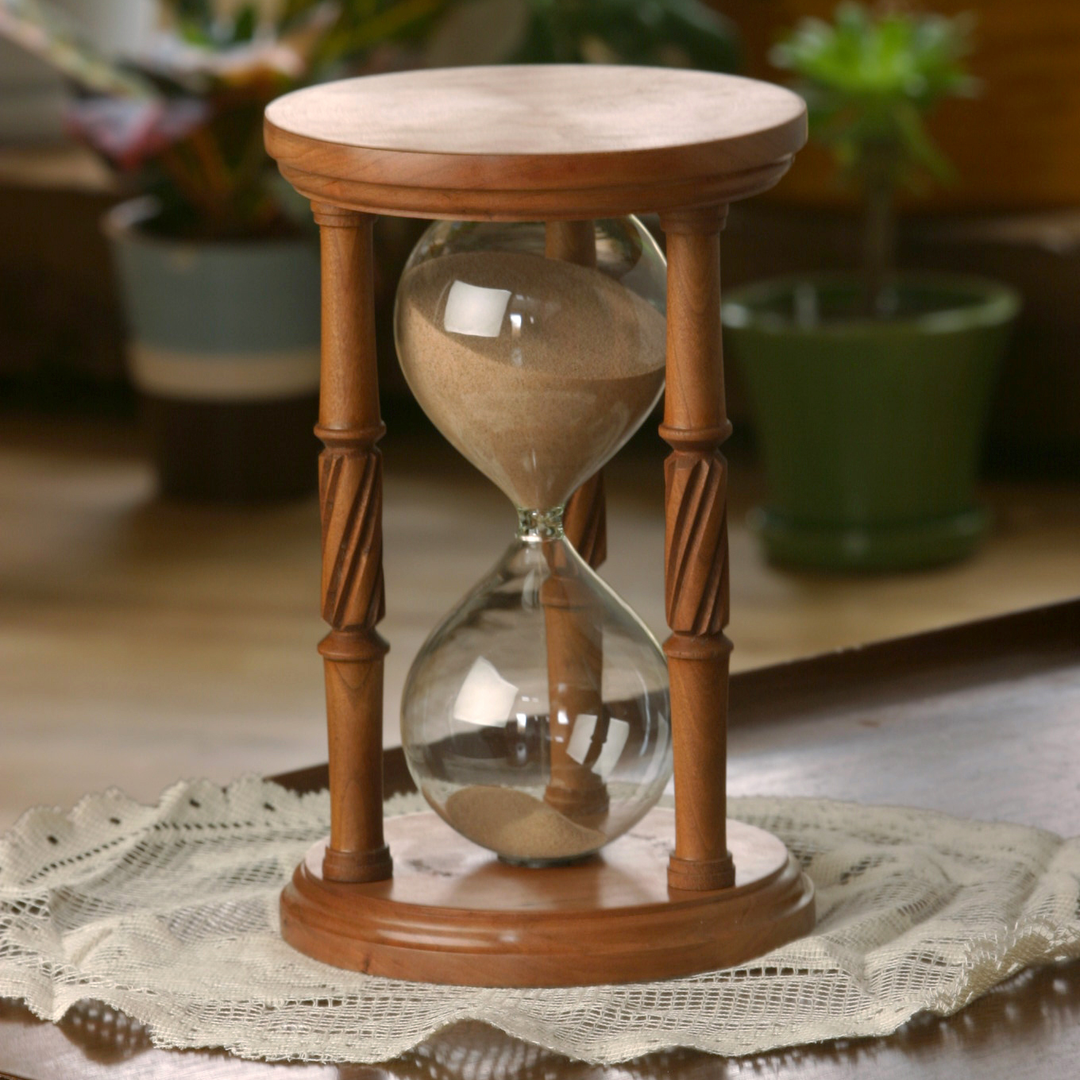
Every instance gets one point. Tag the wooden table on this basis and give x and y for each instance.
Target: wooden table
(980, 720)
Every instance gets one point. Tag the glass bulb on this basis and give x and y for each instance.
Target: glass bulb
(535, 369)
(535, 717)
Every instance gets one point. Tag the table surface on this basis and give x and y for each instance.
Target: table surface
(980, 720)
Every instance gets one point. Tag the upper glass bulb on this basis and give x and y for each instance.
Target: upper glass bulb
(536, 369)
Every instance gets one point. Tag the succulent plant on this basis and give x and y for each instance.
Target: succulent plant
(869, 79)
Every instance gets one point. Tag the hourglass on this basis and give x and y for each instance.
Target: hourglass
(535, 323)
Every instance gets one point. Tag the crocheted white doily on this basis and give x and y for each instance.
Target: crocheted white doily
(170, 914)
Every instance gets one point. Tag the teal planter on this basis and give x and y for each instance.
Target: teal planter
(223, 345)
(871, 430)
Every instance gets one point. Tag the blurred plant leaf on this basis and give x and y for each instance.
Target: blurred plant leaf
(869, 79)
(191, 133)
(672, 33)
(365, 24)
(44, 30)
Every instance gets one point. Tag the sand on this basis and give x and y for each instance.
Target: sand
(575, 364)
(518, 825)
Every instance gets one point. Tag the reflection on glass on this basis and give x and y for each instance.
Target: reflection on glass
(475, 311)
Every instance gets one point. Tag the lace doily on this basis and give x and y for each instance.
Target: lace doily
(169, 913)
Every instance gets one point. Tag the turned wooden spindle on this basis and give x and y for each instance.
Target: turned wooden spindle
(585, 520)
(585, 516)
(350, 493)
(574, 642)
(575, 663)
(696, 549)
(571, 241)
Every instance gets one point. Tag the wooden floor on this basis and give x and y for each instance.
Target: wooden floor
(141, 642)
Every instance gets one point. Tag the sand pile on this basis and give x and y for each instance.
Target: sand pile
(517, 825)
(536, 370)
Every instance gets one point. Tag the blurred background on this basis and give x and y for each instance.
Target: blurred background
(902, 338)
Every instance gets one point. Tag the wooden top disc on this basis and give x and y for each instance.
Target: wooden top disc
(528, 142)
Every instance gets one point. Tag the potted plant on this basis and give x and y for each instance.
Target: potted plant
(217, 259)
(870, 392)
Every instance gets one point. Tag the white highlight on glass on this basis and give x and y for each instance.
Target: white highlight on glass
(485, 697)
(474, 310)
(618, 733)
(581, 739)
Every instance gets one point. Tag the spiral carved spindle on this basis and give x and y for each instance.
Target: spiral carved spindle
(696, 550)
(353, 600)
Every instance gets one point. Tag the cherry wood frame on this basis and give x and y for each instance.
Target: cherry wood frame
(350, 495)
(681, 144)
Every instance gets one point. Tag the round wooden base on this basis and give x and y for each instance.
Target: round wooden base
(454, 914)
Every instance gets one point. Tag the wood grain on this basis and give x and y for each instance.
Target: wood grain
(551, 142)
(472, 203)
(542, 113)
(350, 498)
(353, 597)
(454, 914)
(696, 548)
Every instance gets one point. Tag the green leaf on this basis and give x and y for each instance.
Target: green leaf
(869, 79)
(650, 32)
(244, 27)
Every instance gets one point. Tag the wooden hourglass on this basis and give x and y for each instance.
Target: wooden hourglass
(541, 719)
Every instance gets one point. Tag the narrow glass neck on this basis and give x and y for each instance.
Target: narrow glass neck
(538, 525)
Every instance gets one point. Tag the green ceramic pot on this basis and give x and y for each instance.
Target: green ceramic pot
(871, 430)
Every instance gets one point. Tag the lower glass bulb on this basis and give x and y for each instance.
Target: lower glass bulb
(535, 719)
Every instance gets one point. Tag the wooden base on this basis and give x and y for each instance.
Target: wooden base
(454, 914)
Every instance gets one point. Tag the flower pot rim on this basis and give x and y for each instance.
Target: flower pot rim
(992, 303)
(124, 224)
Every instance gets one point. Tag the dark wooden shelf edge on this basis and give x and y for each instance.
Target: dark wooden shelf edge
(984, 651)
(1006, 647)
